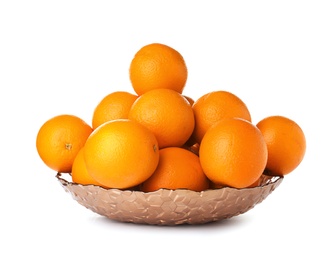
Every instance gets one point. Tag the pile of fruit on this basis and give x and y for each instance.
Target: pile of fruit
(157, 137)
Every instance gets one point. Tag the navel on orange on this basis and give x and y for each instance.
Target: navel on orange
(157, 66)
(121, 153)
(233, 153)
(59, 140)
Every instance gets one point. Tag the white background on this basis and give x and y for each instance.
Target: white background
(64, 56)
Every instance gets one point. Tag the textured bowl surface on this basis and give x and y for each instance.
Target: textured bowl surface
(169, 207)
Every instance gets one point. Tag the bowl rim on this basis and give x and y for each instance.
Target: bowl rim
(266, 179)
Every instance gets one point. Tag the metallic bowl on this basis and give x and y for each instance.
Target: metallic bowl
(169, 207)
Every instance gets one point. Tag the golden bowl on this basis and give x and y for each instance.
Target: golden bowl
(169, 207)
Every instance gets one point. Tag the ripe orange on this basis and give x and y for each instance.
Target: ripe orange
(286, 144)
(178, 168)
(115, 105)
(121, 153)
(233, 153)
(79, 171)
(59, 140)
(214, 106)
(157, 66)
(167, 114)
(219, 186)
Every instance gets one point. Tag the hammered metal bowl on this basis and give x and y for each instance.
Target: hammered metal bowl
(169, 207)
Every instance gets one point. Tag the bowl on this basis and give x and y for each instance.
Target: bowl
(169, 207)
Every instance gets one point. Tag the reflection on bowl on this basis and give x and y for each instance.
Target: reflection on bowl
(169, 207)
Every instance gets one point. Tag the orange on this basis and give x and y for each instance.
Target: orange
(214, 106)
(115, 105)
(79, 172)
(157, 66)
(178, 168)
(167, 114)
(121, 153)
(219, 186)
(59, 140)
(286, 144)
(233, 153)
